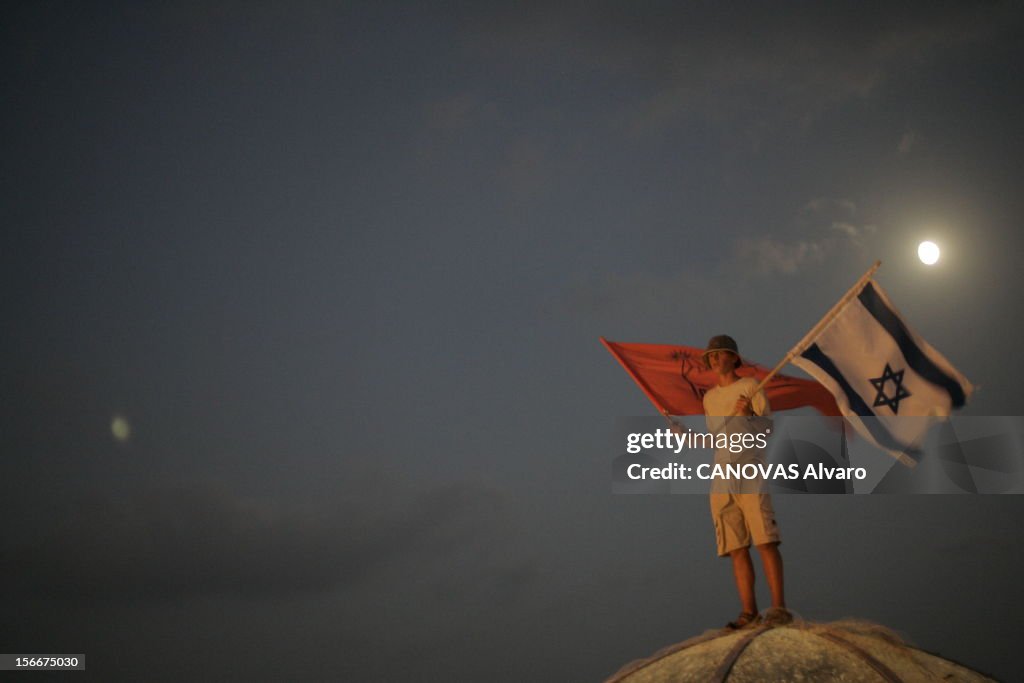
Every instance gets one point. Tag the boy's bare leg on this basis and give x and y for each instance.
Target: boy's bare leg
(771, 559)
(743, 571)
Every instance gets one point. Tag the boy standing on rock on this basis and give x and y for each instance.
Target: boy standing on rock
(742, 518)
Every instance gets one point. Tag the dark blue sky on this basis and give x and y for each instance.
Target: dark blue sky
(343, 269)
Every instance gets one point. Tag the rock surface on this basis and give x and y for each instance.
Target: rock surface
(849, 651)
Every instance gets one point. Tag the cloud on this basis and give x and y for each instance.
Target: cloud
(527, 168)
(771, 256)
(174, 542)
(906, 143)
(745, 66)
(829, 226)
(466, 130)
(457, 112)
(824, 229)
(854, 234)
(643, 296)
(820, 205)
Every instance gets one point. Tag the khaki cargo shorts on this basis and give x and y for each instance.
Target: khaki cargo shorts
(741, 518)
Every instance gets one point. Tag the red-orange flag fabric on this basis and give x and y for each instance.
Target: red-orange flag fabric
(675, 379)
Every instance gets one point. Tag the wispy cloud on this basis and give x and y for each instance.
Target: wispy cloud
(171, 542)
(827, 225)
(457, 112)
(906, 143)
(765, 256)
(823, 229)
(746, 66)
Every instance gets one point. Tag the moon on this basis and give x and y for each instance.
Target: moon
(928, 252)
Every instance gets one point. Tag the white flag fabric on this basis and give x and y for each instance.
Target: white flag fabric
(886, 379)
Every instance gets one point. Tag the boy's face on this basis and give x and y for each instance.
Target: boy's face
(722, 362)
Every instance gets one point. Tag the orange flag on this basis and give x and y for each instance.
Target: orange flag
(675, 379)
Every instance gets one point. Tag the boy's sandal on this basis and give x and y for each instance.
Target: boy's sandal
(744, 620)
(777, 616)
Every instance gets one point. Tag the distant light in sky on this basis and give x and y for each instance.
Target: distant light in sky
(928, 252)
(120, 428)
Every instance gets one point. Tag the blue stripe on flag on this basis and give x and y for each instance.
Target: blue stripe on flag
(857, 404)
(916, 359)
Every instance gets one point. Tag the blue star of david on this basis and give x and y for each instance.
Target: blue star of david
(879, 383)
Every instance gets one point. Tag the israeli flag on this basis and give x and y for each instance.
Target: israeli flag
(888, 381)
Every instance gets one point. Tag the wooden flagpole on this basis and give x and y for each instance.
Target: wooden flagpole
(822, 324)
(797, 349)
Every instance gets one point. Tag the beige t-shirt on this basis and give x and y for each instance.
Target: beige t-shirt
(720, 403)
